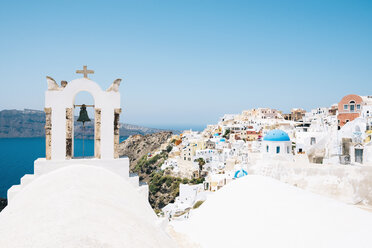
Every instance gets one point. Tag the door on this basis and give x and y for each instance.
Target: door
(359, 155)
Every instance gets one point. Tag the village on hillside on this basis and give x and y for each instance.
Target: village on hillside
(327, 150)
(261, 169)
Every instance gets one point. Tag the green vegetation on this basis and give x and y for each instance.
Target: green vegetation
(197, 180)
(197, 204)
(148, 165)
(227, 133)
(185, 181)
(163, 188)
(201, 162)
(169, 148)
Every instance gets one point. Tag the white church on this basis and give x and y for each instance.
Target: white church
(80, 202)
(276, 144)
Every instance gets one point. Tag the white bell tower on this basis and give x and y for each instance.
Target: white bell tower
(59, 109)
(59, 131)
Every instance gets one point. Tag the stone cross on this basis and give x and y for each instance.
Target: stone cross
(85, 71)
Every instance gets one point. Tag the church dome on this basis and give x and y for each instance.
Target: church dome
(240, 173)
(276, 135)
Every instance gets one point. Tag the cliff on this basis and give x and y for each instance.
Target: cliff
(163, 188)
(30, 123)
(3, 203)
(26, 123)
(136, 146)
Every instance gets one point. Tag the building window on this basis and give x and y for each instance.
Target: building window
(267, 148)
(345, 106)
(358, 106)
(352, 106)
(278, 149)
(287, 149)
(313, 141)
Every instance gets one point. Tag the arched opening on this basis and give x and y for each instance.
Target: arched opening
(278, 149)
(83, 139)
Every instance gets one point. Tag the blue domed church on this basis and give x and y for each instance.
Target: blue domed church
(277, 142)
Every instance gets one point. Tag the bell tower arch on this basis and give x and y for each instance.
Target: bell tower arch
(59, 106)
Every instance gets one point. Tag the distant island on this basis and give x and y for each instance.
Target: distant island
(29, 123)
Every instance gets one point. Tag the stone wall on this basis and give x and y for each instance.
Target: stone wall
(116, 132)
(97, 133)
(350, 184)
(48, 133)
(69, 132)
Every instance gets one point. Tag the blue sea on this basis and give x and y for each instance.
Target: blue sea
(17, 156)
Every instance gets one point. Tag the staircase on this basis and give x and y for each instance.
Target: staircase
(42, 166)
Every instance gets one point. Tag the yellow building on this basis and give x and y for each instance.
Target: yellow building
(369, 136)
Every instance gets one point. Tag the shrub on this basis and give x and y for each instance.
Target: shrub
(197, 180)
(169, 181)
(227, 132)
(153, 159)
(197, 204)
(169, 148)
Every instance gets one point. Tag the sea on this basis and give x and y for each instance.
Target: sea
(17, 156)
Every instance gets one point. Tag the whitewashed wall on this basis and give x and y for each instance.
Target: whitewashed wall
(60, 100)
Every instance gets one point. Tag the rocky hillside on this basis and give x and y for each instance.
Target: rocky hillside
(136, 146)
(26, 123)
(3, 203)
(30, 123)
(163, 188)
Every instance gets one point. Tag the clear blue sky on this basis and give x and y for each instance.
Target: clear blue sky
(186, 63)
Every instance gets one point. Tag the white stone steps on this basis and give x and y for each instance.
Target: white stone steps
(43, 166)
(13, 191)
(134, 180)
(26, 179)
(144, 190)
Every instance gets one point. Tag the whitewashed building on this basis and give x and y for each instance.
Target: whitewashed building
(276, 142)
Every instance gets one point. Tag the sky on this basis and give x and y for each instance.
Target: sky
(184, 64)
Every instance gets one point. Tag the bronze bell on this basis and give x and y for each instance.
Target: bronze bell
(83, 116)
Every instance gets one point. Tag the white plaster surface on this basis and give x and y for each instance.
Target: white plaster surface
(80, 206)
(350, 184)
(256, 211)
(119, 166)
(42, 166)
(62, 99)
(272, 148)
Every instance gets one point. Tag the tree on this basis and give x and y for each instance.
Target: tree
(201, 163)
(169, 148)
(227, 132)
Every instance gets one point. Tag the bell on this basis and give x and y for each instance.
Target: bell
(83, 116)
